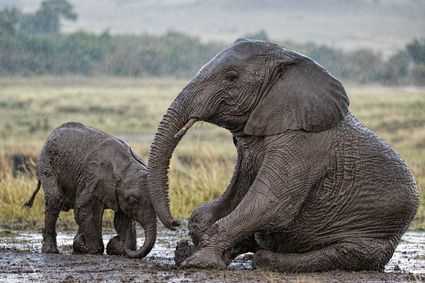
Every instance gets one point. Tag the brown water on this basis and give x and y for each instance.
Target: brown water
(21, 260)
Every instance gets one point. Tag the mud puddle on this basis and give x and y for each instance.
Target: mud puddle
(21, 260)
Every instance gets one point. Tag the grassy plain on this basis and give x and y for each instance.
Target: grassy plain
(132, 108)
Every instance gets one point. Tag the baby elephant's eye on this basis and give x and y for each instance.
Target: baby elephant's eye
(231, 76)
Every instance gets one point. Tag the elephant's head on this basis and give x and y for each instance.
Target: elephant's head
(119, 180)
(250, 88)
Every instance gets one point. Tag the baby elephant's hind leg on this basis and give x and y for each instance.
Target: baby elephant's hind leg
(52, 204)
(359, 254)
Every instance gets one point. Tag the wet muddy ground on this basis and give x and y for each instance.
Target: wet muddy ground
(21, 260)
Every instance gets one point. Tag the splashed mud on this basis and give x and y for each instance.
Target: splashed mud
(21, 260)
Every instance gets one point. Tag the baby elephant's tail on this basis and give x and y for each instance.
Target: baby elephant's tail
(31, 200)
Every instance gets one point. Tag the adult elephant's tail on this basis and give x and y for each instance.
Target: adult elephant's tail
(30, 202)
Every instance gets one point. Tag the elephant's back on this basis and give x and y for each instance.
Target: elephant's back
(65, 149)
(376, 165)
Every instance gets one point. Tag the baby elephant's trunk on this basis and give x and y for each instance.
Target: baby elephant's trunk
(30, 202)
(150, 238)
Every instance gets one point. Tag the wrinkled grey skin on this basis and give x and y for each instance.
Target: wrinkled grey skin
(313, 189)
(88, 170)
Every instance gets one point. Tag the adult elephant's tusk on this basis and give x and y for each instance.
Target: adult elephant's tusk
(185, 128)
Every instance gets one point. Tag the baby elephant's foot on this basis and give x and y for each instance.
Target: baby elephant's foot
(81, 247)
(205, 258)
(115, 246)
(49, 244)
(183, 250)
(49, 248)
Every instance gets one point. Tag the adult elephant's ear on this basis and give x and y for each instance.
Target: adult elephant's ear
(105, 169)
(301, 95)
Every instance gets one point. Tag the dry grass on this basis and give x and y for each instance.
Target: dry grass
(132, 108)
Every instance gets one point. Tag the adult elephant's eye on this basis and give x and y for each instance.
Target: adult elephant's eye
(231, 76)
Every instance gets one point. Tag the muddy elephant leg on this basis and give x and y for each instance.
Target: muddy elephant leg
(207, 214)
(89, 237)
(184, 249)
(52, 204)
(126, 230)
(249, 216)
(49, 232)
(359, 254)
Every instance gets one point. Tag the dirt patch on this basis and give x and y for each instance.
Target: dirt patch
(21, 260)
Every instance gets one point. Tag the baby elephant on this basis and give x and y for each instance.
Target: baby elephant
(88, 170)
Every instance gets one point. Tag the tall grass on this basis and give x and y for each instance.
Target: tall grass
(203, 162)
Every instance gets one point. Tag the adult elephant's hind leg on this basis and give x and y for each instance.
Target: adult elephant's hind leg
(359, 254)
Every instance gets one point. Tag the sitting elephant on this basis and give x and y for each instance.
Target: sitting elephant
(313, 189)
(88, 170)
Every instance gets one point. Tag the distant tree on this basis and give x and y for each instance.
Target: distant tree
(418, 74)
(9, 18)
(8, 29)
(363, 65)
(416, 50)
(79, 51)
(47, 19)
(396, 68)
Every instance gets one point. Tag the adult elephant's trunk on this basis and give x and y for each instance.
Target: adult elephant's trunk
(150, 238)
(170, 131)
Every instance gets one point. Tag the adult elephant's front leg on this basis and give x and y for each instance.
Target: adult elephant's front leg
(203, 217)
(250, 215)
(207, 214)
(273, 200)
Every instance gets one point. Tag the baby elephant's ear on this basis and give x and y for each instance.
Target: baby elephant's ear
(106, 168)
(304, 96)
(108, 186)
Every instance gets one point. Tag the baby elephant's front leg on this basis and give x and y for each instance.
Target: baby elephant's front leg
(89, 237)
(126, 237)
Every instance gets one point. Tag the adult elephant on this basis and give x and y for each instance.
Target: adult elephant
(313, 189)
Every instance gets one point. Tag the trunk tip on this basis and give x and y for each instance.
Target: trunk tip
(172, 224)
(134, 254)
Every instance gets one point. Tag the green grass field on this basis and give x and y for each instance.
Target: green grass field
(132, 108)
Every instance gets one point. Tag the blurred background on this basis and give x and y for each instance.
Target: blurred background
(360, 41)
(117, 65)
